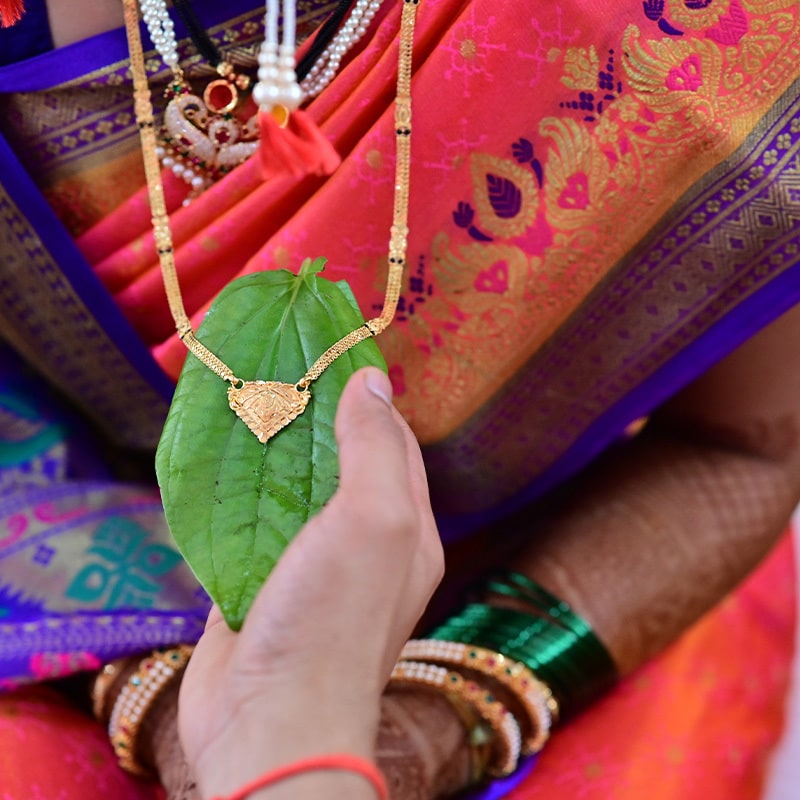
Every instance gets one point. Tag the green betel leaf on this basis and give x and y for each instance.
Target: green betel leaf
(232, 503)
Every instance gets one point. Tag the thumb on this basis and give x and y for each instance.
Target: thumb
(372, 445)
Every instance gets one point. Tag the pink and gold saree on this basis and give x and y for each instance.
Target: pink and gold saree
(604, 202)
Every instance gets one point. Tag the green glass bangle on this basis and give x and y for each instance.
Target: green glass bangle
(557, 645)
(540, 600)
(516, 585)
(521, 637)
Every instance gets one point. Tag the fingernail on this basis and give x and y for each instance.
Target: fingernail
(380, 385)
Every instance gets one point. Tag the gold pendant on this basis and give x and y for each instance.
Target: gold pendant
(267, 407)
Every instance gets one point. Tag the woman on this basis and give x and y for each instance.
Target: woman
(534, 328)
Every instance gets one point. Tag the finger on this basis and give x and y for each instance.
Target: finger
(373, 457)
(418, 478)
(214, 617)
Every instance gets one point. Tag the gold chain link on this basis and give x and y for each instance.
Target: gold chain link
(163, 234)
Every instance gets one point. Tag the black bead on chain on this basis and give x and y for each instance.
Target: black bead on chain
(323, 38)
(210, 52)
(202, 41)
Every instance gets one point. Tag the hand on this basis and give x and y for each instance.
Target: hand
(305, 674)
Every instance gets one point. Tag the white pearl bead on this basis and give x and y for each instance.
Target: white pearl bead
(178, 168)
(261, 94)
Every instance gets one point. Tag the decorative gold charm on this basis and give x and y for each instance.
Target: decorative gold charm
(204, 138)
(267, 407)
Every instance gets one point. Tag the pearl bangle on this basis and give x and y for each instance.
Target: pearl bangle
(136, 699)
(534, 696)
(507, 738)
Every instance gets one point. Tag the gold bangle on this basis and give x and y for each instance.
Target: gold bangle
(506, 740)
(479, 737)
(101, 686)
(534, 696)
(154, 674)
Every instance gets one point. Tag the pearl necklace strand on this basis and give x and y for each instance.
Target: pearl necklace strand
(326, 66)
(162, 31)
(277, 82)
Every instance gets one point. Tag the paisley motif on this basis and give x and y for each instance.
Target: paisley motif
(577, 174)
(506, 195)
(675, 76)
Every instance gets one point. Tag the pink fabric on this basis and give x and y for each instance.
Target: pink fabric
(51, 751)
(698, 723)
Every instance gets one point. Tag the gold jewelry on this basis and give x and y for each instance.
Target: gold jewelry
(267, 407)
(479, 737)
(201, 138)
(534, 696)
(507, 738)
(102, 684)
(154, 674)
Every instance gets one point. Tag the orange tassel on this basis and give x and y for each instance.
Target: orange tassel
(297, 149)
(10, 12)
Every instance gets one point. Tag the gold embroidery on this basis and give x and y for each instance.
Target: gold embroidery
(468, 49)
(679, 77)
(375, 159)
(767, 6)
(578, 174)
(581, 66)
(714, 258)
(697, 19)
(45, 320)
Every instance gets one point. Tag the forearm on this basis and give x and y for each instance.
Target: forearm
(656, 533)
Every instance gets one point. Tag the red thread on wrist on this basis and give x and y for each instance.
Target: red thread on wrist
(343, 762)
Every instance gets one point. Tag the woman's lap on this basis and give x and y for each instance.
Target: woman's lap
(698, 722)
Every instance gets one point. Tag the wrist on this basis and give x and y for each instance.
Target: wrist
(422, 745)
(262, 739)
(313, 785)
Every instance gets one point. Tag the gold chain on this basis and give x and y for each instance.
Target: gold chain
(143, 108)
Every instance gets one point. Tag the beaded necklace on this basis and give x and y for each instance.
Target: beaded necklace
(203, 137)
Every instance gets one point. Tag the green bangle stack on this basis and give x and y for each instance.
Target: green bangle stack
(549, 638)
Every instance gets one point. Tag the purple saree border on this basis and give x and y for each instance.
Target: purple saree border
(76, 270)
(74, 61)
(102, 634)
(501, 787)
(748, 316)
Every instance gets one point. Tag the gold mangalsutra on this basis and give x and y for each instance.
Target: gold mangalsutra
(267, 407)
